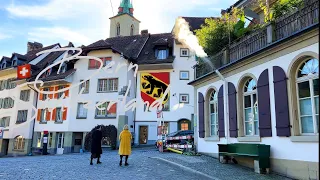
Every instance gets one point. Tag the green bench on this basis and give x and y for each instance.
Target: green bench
(260, 153)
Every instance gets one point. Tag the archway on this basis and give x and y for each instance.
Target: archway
(109, 137)
(184, 124)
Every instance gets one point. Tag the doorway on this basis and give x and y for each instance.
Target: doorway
(143, 134)
(60, 143)
(77, 141)
(5, 146)
(184, 124)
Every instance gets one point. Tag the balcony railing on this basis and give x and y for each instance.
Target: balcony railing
(281, 29)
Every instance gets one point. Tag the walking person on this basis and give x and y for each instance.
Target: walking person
(125, 144)
(96, 149)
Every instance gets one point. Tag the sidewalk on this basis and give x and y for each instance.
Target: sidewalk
(212, 168)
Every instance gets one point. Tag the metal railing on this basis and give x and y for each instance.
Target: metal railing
(282, 28)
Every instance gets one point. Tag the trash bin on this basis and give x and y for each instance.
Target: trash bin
(81, 151)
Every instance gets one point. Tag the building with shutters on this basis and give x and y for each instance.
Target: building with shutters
(270, 94)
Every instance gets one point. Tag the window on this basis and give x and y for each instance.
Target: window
(213, 109)
(162, 54)
(5, 122)
(82, 112)
(131, 30)
(50, 135)
(145, 108)
(184, 98)
(84, 85)
(60, 93)
(14, 62)
(165, 129)
(11, 84)
(250, 110)
(3, 65)
(43, 115)
(108, 85)
(184, 75)
(184, 52)
(22, 116)
(102, 112)
(63, 68)
(39, 139)
(118, 29)
(25, 95)
(58, 114)
(45, 96)
(7, 103)
(4, 84)
(307, 83)
(166, 106)
(19, 143)
(184, 126)
(106, 60)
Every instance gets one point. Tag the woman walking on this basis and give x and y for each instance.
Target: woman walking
(96, 149)
(125, 144)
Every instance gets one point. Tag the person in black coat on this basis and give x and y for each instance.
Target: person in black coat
(96, 149)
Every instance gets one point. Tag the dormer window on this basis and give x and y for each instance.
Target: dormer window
(131, 30)
(3, 66)
(63, 68)
(14, 62)
(118, 29)
(162, 53)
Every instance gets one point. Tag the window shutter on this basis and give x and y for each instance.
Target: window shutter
(281, 102)
(48, 115)
(41, 95)
(67, 91)
(232, 98)
(64, 113)
(39, 115)
(201, 114)
(51, 89)
(56, 94)
(54, 113)
(221, 112)
(264, 105)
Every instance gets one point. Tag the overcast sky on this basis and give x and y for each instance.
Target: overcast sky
(86, 21)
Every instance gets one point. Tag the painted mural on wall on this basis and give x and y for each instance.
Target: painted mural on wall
(153, 86)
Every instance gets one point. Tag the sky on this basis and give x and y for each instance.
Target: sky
(85, 21)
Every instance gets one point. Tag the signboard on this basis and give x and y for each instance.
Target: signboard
(153, 86)
(45, 139)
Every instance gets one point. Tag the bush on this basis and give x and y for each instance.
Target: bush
(107, 131)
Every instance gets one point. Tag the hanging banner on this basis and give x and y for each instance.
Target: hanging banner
(153, 86)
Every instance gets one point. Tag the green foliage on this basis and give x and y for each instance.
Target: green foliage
(216, 34)
(279, 8)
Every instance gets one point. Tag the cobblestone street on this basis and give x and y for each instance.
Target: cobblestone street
(144, 164)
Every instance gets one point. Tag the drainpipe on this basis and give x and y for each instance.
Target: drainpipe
(34, 122)
(225, 94)
(135, 110)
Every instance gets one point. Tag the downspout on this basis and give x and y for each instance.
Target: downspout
(225, 94)
(34, 121)
(135, 110)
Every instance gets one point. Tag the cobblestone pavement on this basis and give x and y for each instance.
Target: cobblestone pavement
(143, 165)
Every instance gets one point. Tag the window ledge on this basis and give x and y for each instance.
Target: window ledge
(212, 138)
(58, 122)
(18, 150)
(81, 117)
(42, 122)
(314, 138)
(105, 117)
(249, 139)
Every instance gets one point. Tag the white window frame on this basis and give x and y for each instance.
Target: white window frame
(213, 100)
(252, 106)
(309, 79)
(83, 112)
(107, 85)
(118, 29)
(182, 78)
(22, 114)
(61, 93)
(187, 98)
(182, 50)
(25, 95)
(43, 115)
(162, 54)
(86, 86)
(104, 113)
(61, 114)
(19, 143)
(45, 96)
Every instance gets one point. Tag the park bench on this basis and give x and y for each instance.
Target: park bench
(260, 153)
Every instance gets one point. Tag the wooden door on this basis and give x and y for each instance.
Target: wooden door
(143, 135)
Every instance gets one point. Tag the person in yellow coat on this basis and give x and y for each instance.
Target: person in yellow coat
(125, 144)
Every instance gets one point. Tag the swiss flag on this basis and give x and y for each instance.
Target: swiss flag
(24, 71)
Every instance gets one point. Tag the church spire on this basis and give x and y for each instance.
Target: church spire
(125, 7)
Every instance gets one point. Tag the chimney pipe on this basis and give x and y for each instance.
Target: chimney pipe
(144, 32)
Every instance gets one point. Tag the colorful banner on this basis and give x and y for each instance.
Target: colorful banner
(153, 86)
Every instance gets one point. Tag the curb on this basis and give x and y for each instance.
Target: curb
(186, 168)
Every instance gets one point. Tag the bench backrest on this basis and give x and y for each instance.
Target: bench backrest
(261, 150)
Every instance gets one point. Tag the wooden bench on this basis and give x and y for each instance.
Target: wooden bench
(259, 152)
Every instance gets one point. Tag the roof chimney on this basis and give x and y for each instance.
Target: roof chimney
(33, 46)
(144, 32)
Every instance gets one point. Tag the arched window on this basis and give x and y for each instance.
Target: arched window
(118, 29)
(19, 143)
(213, 110)
(250, 108)
(131, 30)
(307, 84)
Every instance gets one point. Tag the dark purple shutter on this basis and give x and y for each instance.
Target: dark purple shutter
(232, 97)
(264, 105)
(281, 102)
(221, 112)
(201, 114)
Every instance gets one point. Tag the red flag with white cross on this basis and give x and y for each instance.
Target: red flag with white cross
(24, 71)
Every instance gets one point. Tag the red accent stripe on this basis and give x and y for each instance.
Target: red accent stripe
(163, 76)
